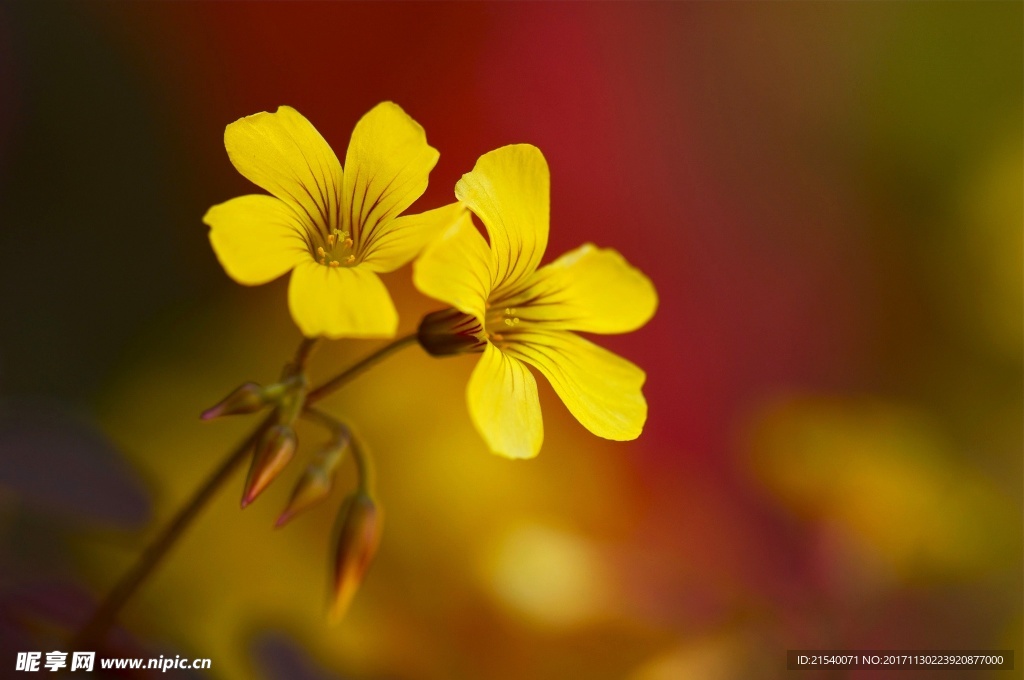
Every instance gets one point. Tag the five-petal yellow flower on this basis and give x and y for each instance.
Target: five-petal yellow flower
(334, 230)
(517, 314)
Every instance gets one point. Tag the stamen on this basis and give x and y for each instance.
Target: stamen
(335, 263)
(331, 238)
(497, 316)
(320, 252)
(350, 259)
(348, 243)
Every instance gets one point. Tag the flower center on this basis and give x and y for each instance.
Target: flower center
(337, 250)
(499, 321)
(450, 331)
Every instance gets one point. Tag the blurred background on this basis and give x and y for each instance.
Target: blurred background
(828, 197)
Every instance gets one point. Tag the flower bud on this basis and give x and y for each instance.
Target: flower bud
(360, 520)
(275, 449)
(316, 482)
(449, 332)
(247, 398)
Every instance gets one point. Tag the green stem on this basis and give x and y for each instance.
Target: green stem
(101, 620)
(95, 629)
(337, 381)
(330, 422)
(302, 354)
(365, 471)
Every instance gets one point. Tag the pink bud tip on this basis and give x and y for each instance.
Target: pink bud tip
(246, 398)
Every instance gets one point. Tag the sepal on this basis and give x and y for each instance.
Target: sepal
(449, 332)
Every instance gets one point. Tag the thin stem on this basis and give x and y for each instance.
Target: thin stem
(94, 630)
(302, 354)
(327, 420)
(365, 471)
(104, 616)
(337, 381)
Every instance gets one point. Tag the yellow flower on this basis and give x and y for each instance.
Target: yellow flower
(334, 230)
(517, 314)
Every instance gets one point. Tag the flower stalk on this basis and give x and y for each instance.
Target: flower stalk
(359, 519)
(103, 617)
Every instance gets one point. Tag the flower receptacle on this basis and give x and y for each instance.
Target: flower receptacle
(449, 332)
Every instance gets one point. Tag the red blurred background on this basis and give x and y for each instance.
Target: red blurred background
(828, 198)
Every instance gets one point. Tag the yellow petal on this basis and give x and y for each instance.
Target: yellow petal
(456, 268)
(256, 238)
(386, 169)
(508, 190)
(503, 403)
(340, 302)
(588, 289)
(283, 153)
(406, 236)
(600, 388)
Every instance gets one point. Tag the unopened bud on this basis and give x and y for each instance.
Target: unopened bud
(316, 482)
(275, 449)
(449, 332)
(358, 538)
(247, 398)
